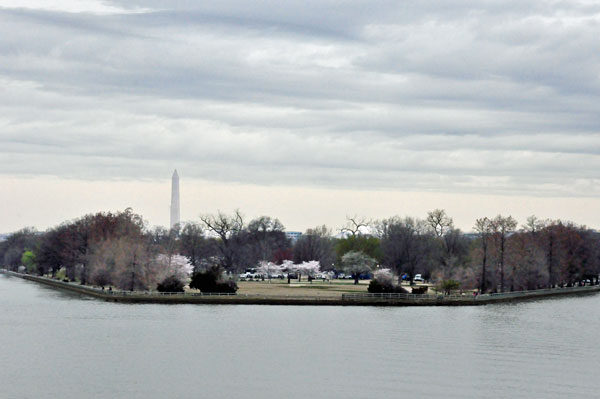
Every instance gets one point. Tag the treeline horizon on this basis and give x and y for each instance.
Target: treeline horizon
(118, 249)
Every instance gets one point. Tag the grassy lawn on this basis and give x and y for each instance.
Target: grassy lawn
(335, 288)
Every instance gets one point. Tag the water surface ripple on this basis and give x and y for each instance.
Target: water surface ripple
(61, 345)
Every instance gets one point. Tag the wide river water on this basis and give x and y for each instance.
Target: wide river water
(55, 344)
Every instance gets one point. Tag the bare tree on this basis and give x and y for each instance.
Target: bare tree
(315, 244)
(448, 238)
(195, 245)
(264, 237)
(503, 226)
(126, 261)
(167, 240)
(406, 246)
(533, 225)
(550, 231)
(354, 225)
(528, 269)
(484, 227)
(226, 228)
(320, 231)
(439, 222)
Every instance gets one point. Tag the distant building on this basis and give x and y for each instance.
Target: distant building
(293, 235)
(471, 236)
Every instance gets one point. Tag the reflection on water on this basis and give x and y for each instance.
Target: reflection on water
(57, 344)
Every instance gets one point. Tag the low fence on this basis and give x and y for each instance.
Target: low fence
(543, 291)
(466, 298)
(128, 293)
(402, 296)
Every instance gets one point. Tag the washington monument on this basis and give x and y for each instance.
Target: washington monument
(174, 199)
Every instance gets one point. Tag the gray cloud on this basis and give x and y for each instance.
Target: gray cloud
(485, 97)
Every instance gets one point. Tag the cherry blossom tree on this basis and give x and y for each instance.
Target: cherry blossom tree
(356, 262)
(173, 265)
(384, 276)
(269, 269)
(289, 267)
(309, 268)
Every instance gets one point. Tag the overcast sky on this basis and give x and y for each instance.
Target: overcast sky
(306, 111)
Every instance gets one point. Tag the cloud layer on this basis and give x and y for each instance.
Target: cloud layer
(470, 96)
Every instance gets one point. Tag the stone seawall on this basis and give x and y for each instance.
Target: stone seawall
(345, 299)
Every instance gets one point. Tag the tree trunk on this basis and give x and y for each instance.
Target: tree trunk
(502, 242)
(482, 284)
(550, 260)
(133, 274)
(84, 273)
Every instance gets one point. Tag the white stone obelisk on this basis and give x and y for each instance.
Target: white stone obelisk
(174, 199)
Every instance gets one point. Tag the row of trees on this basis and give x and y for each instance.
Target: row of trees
(118, 249)
(103, 249)
(543, 253)
(500, 256)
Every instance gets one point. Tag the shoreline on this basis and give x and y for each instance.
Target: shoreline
(359, 299)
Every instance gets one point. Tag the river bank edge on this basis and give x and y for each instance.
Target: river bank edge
(345, 300)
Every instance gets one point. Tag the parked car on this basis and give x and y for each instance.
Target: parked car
(324, 276)
(418, 278)
(245, 276)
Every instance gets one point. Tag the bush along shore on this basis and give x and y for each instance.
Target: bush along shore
(347, 299)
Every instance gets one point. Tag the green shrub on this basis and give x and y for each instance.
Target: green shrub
(420, 290)
(170, 284)
(28, 260)
(375, 287)
(449, 285)
(204, 281)
(211, 281)
(227, 287)
(61, 274)
(385, 287)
